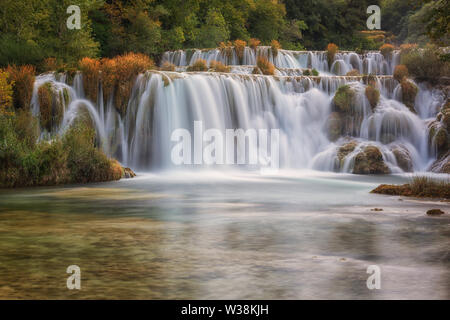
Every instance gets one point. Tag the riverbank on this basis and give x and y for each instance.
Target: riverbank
(68, 158)
(420, 187)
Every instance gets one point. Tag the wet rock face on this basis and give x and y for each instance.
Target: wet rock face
(442, 165)
(403, 158)
(345, 149)
(373, 95)
(439, 135)
(370, 161)
(409, 93)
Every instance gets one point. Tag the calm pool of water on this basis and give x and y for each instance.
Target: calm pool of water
(223, 235)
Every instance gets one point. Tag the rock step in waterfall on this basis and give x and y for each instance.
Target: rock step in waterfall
(372, 62)
(355, 124)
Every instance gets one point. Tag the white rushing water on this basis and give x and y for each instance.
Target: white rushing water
(368, 63)
(298, 106)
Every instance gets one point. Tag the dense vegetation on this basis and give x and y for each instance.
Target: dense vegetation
(72, 158)
(34, 30)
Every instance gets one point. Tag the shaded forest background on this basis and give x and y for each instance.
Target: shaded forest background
(34, 30)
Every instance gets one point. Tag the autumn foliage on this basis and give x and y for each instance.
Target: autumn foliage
(332, 49)
(218, 66)
(386, 49)
(253, 43)
(275, 46)
(400, 72)
(117, 75)
(239, 46)
(264, 66)
(198, 65)
(22, 78)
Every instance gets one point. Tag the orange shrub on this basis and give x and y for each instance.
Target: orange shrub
(332, 49)
(127, 68)
(167, 66)
(275, 46)
(108, 76)
(218, 66)
(264, 67)
(226, 49)
(253, 43)
(117, 75)
(386, 49)
(400, 72)
(199, 65)
(353, 73)
(23, 79)
(239, 46)
(91, 76)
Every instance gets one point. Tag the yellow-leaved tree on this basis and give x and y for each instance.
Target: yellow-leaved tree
(6, 92)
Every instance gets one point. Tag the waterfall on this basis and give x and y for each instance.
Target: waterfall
(372, 62)
(299, 106)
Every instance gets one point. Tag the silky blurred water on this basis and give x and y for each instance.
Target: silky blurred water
(223, 235)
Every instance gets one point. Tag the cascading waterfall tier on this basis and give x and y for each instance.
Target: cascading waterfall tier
(299, 106)
(372, 62)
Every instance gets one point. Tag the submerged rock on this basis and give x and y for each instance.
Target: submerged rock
(435, 212)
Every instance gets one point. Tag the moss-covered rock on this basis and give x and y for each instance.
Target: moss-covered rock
(370, 161)
(369, 79)
(345, 150)
(409, 93)
(344, 99)
(373, 95)
(352, 73)
(441, 138)
(445, 118)
(45, 106)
